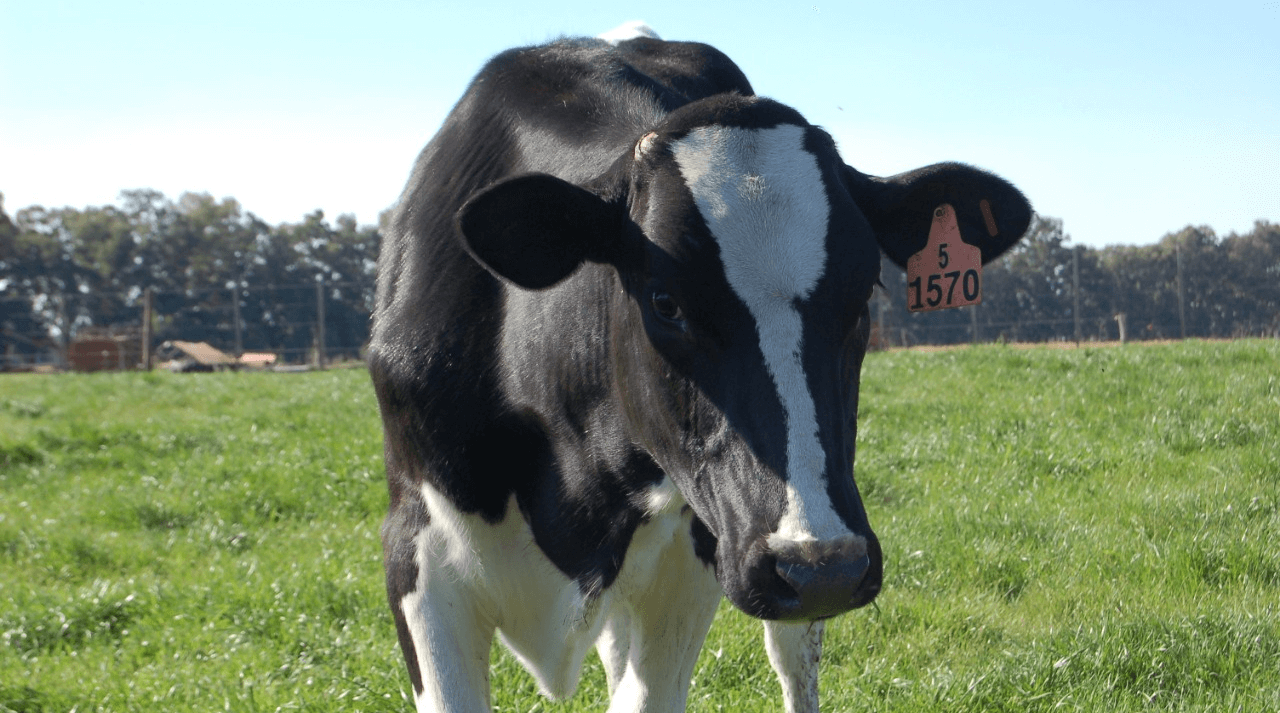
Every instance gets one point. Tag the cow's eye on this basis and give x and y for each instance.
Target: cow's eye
(666, 307)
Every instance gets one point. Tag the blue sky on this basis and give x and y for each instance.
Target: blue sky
(1127, 120)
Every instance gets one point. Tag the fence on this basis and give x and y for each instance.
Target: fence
(1067, 299)
(307, 323)
(318, 322)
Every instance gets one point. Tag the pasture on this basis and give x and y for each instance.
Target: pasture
(1064, 529)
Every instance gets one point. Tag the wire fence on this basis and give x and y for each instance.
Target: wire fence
(1069, 300)
(319, 323)
(315, 324)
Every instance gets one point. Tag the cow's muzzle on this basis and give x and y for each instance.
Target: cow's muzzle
(823, 579)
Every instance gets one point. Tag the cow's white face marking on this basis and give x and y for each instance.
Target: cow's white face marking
(761, 194)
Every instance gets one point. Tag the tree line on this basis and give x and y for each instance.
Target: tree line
(68, 271)
(1190, 283)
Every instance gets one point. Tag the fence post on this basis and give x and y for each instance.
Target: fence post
(1075, 290)
(64, 332)
(1182, 310)
(880, 337)
(235, 318)
(146, 328)
(320, 322)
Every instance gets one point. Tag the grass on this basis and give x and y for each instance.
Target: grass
(1089, 529)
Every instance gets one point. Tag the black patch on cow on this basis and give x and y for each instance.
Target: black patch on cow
(704, 543)
(585, 524)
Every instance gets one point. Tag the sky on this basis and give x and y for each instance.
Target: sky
(1127, 120)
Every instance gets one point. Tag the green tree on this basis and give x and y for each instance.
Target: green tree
(1252, 280)
(1027, 295)
(19, 329)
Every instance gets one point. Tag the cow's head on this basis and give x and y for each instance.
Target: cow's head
(748, 250)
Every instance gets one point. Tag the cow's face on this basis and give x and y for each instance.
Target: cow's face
(753, 299)
(748, 252)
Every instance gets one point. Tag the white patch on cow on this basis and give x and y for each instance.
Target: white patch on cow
(628, 31)
(663, 498)
(659, 607)
(458, 601)
(763, 198)
(448, 540)
(666, 599)
(437, 617)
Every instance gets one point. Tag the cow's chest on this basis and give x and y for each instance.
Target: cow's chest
(498, 574)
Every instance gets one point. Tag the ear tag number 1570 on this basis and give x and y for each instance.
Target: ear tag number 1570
(948, 272)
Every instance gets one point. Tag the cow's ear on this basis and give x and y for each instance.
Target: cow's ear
(535, 230)
(993, 215)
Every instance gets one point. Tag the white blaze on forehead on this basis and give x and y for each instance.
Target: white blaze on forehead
(761, 194)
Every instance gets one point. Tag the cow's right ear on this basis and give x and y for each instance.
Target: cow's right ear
(535, 230)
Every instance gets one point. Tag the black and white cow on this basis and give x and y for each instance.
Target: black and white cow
(621, 313)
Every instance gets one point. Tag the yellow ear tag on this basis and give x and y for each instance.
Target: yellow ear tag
(948, 272)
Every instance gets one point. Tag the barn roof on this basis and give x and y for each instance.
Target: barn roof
(203, 353)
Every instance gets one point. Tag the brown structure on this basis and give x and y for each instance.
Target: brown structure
(103, 353)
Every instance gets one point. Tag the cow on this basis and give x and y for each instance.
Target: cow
(621, 315)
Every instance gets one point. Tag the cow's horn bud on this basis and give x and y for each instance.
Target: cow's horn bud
(645, 144)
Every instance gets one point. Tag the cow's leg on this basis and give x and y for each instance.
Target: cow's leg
(451, 649)
(613, 645)
(443, 634)
(669, 618)
(794, 651)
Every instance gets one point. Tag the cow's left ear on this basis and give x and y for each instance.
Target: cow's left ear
(993, 215)
(535, 230)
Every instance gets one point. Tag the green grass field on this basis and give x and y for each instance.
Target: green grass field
(1064, 529)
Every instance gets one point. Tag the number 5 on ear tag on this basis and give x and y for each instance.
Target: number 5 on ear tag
(948, 272)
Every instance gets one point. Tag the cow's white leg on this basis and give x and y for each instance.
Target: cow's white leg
(452, 644)
(447, 615)
(613, 645)
(670, 615)
(794, 651)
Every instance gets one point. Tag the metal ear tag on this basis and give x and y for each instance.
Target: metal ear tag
(948, 271)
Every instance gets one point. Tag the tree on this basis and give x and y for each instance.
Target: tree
(1252, 280)
(65, 269)
(1028, 291)
(19, 329)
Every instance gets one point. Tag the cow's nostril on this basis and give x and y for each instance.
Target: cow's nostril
(823, 590)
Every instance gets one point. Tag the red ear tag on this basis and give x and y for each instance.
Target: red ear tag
(948, 272)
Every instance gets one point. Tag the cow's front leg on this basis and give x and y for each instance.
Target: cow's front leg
(443, 634)
(795, 649)
(661, 632)
(451, 653)
(614, 644)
